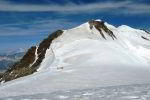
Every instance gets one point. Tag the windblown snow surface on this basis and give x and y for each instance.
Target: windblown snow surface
(81, 65)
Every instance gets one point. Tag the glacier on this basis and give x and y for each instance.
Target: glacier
(81, 60)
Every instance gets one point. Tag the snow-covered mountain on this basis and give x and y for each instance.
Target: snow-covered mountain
(91, 55)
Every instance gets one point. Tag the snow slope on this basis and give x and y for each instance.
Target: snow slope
(123, 92)
(81, 58)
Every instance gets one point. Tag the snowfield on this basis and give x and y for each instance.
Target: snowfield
(81, 65)
(123, 92)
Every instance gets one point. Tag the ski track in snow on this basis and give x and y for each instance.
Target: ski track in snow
(80, 64)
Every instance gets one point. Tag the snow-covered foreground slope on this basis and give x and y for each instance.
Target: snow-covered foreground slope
(123, 92)
(81, 58)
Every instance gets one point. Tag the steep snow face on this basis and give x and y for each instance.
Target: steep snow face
(134, 41)
(49, 59)
(82, 58)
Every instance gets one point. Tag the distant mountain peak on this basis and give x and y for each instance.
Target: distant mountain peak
(20, 50)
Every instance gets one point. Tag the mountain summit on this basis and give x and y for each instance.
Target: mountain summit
(35, 55)
(90, 55)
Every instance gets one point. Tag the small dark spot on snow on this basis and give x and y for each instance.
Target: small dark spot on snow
(145, 38)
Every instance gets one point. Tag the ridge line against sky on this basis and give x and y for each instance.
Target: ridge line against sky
(125, 7)
(24, 23)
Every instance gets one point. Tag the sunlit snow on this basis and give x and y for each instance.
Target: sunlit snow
(81, 61)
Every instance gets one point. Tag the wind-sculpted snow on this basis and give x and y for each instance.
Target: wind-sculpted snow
(123, 92)
(81, 59)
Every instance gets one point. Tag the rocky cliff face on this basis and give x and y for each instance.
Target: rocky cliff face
(1, 74)
(31, 60)
(100, 26)
(20, 68)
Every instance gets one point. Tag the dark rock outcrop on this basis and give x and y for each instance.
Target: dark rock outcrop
(145, 31)
(99, 25)
(44, 45)
(145, 38)
(1, 74)
(21, 68)
(27, 65)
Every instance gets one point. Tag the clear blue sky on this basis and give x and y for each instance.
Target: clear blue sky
(24, 23)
